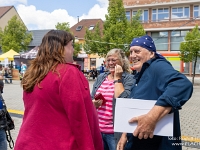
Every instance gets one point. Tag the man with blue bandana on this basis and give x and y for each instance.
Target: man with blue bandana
(156, 79)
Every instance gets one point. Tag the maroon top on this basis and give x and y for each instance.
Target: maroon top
(59, 115)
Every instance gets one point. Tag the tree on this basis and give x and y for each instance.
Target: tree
(65, 27)
(118, 32)
(90, 45)
(190, 48)
(135, 28)
(15, 36)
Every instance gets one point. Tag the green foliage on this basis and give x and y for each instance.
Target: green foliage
(118, 32)
(135, 28)
(90, 47)
(65, 27)
(1, 36)
(76, 49)
(190, 48)
(15, 36)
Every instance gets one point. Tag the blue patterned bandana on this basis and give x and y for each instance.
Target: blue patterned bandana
(145, 42)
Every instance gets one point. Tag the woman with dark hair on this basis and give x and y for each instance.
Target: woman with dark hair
(59, 114)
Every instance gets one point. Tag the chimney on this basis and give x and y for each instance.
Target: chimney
(78, 18)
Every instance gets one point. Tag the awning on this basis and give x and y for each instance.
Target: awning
(30, 54)
(82, 55)
(9, 55)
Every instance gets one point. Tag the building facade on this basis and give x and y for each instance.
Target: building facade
(6, 13)
(79, 31)
(168, 22)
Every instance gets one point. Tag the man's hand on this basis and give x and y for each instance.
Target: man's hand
(145, 127)
(147, 123)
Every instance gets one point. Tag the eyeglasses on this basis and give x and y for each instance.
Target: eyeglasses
(113, 60)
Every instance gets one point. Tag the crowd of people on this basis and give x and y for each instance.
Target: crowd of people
(58, 102)
(94, 72)
(6, 74)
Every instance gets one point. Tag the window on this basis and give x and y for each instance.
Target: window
(128, 15)
(79, 28)
(176, 38)
(144, 16)
(91, 27)
(197, 69)
(196, 11)
(160, 14)
(180, 12)
(187, 67)
(160, 40)
(92, 62)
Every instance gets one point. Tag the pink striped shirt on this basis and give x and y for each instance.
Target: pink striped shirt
(105, 111)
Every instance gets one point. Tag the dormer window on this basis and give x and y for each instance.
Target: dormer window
(79, 28)
(91, 27)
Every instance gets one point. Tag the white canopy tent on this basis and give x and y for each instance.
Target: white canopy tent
(30, 54)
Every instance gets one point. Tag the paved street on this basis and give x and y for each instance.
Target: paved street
(190, 114)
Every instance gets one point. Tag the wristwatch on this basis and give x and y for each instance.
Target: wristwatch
(118, 81)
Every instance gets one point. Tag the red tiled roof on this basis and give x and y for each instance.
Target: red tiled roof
(4, 10)
(86, 24)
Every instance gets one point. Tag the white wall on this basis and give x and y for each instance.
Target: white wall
(99, 61)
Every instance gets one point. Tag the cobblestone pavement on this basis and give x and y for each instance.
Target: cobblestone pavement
(189, 115)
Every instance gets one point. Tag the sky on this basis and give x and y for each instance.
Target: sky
(45, 14)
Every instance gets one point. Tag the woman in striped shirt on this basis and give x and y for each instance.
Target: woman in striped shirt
(114, 83)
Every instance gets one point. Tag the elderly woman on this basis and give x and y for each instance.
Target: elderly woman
(115, 83)
(156, 80)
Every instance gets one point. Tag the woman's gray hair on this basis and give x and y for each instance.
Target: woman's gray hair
(122, 58)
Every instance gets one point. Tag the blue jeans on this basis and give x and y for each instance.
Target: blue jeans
(108, 141)
(3, 141)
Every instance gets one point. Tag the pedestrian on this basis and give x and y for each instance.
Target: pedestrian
(3, 141)
(59, 113)
(102, 69)
(8, 75)
(23, 68)
(94, 73)
(119, 78)
(156, 79)
(1, 70)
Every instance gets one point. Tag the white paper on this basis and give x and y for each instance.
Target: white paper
(126, 109)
